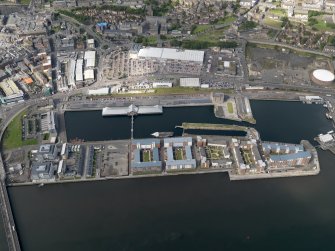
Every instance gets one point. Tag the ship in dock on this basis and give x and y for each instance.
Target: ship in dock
(162, 134)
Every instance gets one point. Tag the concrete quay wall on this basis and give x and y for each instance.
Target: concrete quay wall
(233, 177)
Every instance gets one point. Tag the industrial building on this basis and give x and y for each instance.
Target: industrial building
(79, 70)
(322, 77)
(190, 82)
(11, 91)
(89, 75)
(89, 58)
(100, 91)
(166, 60)
(145, 156)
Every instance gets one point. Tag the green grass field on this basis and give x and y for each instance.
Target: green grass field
(146, 156)
(201, 28)
(278, 12)
(247, 157)
(230, 107)
(215, 152)
(179, 154)
(13, 134)
(26, 2)
(226, 20)
(273, 23)
(323, 26)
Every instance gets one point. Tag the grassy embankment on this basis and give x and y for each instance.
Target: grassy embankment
(13, 135)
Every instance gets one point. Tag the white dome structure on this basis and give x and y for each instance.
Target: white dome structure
(322, 76)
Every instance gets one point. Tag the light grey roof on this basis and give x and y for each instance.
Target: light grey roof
(145, 141)
(268, 146)
(178, 140)
(188, 152)
(292, 156)
(42, 170)
(173, 54)
(181, 162)
(114, 111)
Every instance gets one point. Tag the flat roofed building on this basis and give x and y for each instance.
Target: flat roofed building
(183, 145)
(166, 60)
(90, 43)
(11, 91)
(42, 171)
(289, 160)
(190, 82)
(172, 54)
(48, 122)
(274, 147)
(89, 58)
(178, 142)
(46, 152)
(79, 70)
(145, 143)
(89, 74)
(173, 164)
(145, 156)
(9, 87)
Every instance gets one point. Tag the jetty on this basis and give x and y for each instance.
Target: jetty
(216, 127)
(132, 109)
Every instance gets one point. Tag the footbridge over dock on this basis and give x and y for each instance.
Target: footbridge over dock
(132, 110)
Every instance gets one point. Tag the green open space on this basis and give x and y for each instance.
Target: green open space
(200, 28)
(25, 2)
(179, 155)
(215, 152)
(146, 156)
(278, 12)
(13, 135)
(226, 20)
(247, 157)
(321, 25)
(230, 107)
(273, 23)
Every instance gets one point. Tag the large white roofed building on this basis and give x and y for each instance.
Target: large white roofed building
(89, 58)
(166, 60)
(190, 82)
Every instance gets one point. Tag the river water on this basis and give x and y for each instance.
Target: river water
(191, 212)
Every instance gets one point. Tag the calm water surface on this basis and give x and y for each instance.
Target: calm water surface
(193, 212)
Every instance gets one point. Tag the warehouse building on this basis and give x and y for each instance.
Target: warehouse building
(79, 70)
(190, 82)
(165, 60)
(89, 58)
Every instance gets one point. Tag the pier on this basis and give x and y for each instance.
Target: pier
(132, 109)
